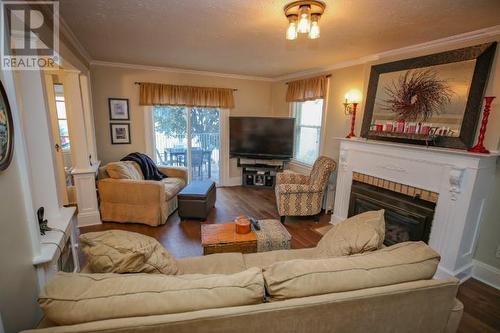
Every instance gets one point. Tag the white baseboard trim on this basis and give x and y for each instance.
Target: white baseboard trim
(487, 274)
(233, 181)
(91, 218)
(463, 273)
(336, 219)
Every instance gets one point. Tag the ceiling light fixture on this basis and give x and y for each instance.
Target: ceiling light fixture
(303, 17)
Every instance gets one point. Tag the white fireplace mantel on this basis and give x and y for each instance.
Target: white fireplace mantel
(463, 181)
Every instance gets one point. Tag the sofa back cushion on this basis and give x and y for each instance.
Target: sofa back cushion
(117, 251)
(77, 298)
(361, 233)
(124, 170)
(403, 262)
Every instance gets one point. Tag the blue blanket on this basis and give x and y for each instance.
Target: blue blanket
(148, 166)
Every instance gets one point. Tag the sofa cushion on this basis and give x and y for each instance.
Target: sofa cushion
(263, 259)
(173, 186)
(218, 263)
(117, 251)
(361, 233)
(403, 262)
(77, 298)
(124, 170)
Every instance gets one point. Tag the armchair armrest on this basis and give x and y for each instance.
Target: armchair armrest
(290, 177)
(175, 172)
(131, 191)
(297, 188)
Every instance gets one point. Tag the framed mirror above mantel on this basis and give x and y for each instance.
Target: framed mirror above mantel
(433, 100)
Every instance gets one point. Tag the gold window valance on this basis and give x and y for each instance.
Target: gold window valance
(167, 94)
(307, 89)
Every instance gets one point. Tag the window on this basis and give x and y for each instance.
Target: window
(308, 118)
(61, 118)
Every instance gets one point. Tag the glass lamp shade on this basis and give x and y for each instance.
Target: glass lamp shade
(353, 96)
(304, 20)
(314, 31)
(291, 31)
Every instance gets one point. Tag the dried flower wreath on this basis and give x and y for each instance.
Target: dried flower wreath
(417, 95)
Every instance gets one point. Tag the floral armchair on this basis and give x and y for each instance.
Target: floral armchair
(301, 195)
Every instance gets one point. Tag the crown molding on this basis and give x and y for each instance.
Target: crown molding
(66, 31)
(179, 70)
(427, 46)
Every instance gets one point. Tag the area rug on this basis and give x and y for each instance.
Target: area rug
(272, 236)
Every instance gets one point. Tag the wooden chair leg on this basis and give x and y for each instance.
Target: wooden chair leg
(316, 217)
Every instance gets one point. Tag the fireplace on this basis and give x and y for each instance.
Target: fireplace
(407, 218)
(434, 194)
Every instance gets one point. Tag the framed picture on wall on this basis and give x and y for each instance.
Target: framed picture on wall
(120, 133)
(118, 109)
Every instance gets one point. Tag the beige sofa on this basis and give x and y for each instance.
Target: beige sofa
(125, 196)
(388, 290)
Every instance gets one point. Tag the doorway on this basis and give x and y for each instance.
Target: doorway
(62, 142)
(189, 137)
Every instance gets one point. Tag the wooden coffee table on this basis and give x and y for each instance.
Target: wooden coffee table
(221, 238)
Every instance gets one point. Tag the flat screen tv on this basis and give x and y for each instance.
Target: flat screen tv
(261, 137)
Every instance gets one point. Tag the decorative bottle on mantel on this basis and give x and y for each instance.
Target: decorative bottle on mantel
(479, 147)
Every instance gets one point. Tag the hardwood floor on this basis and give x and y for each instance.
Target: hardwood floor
(182, 239)
(482, 307)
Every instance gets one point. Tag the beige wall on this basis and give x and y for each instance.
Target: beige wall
(489, 236)
(252, 98)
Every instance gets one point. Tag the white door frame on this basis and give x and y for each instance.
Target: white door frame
(58, 153)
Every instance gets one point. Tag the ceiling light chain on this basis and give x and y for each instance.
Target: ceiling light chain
(303, 17)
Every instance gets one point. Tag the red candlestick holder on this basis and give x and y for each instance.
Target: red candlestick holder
(353, 120)
(479, 147)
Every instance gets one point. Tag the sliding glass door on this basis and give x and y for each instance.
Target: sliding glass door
(189, 137)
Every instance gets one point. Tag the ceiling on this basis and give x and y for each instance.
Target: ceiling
(247, 36)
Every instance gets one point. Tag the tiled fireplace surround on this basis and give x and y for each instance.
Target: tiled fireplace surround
(462, 181)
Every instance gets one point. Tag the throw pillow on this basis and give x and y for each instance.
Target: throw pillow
(361, 233)
(117, 251)
(123, 170)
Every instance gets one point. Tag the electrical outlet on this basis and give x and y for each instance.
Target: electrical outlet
(498, 252)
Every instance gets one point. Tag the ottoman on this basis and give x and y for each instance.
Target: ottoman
(272, 236)
(196, 200)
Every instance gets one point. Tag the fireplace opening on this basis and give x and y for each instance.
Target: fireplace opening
(407, 217)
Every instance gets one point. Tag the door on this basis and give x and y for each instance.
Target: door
(60, 134)
(189, 137)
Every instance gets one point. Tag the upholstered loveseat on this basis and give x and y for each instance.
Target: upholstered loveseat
(388, 289)
(126, 197)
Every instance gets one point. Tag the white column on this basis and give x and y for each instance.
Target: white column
(39, 142)
(84, 171)
(89, 117)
